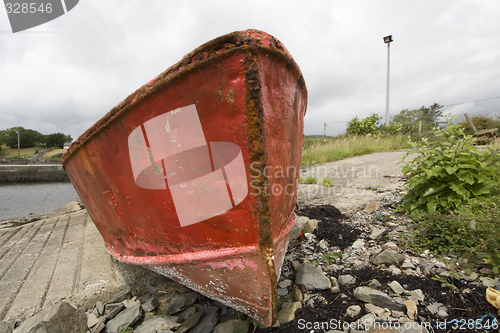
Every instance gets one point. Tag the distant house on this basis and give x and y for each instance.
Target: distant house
(66, 145)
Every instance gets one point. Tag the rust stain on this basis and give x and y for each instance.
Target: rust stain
(255, 115)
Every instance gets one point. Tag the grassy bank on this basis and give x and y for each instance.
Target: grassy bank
(337, 148)
(26, 153)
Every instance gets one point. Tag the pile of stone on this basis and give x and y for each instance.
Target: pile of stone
(319, 266)
(168, 307)
(312, 267)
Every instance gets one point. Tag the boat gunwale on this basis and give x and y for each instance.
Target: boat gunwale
(218, 48)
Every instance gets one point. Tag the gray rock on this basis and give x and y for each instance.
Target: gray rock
(299, 226)
(150, 303)
(358, 244)
(99, 327)
(310, 226)
(397, 314)
(312, 278)
(407, 264)
(472, 277)
(61, 318)
(287, 314)
(388, 257)
(156, 324)
(117, 308)
(169, 287)
(126, 318)
(171, 303)
(391, 245)
(417, 295)
(411, 309)
(207, 322)
(296, 294)
(376, 310)
(99, 306)
(374, 284)
(438, 309)
(376, 232)
(394, 270)
(396, 287)
(120, 297)
(353, 311)
(191, 297)
(70, 207)
(345, 280)
(282, 292)
(186, 313)
(377, 297)
(488, 282)
(323, 245)
(365, 322)
(229, 326)
(192, 320)
(91, 320)
(285, 283)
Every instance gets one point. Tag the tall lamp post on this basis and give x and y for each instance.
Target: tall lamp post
(18, 146)
(387, 40)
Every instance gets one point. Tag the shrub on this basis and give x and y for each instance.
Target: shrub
(365, 126)
(449, 172)
(481, 122)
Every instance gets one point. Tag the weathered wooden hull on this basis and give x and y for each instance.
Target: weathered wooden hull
(194, 175)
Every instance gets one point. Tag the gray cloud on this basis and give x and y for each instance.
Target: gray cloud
(64, 75)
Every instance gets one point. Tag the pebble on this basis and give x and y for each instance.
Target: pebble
(345, 280)
(353, 311)
(312, 277)
(388, 257)
(287, 314)
(411, 309)
(377, 297)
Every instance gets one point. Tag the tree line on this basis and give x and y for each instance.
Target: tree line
(415, 123)
(30, 138)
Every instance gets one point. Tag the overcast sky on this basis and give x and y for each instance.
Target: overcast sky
(64, 75)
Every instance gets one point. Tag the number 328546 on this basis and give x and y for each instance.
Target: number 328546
(24, 8)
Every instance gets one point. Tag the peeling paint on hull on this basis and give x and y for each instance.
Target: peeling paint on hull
(182, 176)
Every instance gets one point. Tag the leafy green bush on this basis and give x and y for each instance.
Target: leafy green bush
(449, 172)
(365, 126)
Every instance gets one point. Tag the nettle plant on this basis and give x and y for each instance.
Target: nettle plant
(449, 172)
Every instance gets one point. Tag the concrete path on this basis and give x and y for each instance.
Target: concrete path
(357, 181)
(59, 258)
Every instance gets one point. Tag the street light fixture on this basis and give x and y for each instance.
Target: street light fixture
(387, 40)
(18, 146)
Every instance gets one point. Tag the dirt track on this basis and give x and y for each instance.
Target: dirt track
(356, 181)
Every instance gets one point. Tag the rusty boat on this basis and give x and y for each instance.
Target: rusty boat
(195, 174)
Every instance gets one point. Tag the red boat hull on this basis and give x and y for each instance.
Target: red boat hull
(194, 175)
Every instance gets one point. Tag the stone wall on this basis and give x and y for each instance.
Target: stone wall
(32, 173)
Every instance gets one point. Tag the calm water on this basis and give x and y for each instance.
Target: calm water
(19, 200)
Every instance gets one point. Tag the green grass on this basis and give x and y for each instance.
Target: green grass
(327, 182)
(53, 153)
(337, 148)
(8, 153)
(310, 180)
